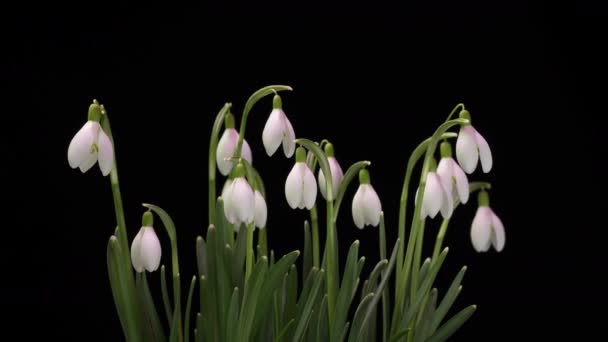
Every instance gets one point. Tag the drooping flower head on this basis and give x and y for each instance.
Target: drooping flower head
(278, 130)
(487, 229)
(472, 147)
(366, 203)
(456, 180)
(436, 195)
(239, 199)
(145, 249)
(300, 186)
(91, 145)
(227, 144)
(336, 172)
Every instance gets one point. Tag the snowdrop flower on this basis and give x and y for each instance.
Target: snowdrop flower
(301, 187)
(278, 130)
(227, 145)
(487, 229)
(145, 249)
(239, 200)
(261, 211)
(436, 195)
(471, 147)
(449, 170)
(336, 172)
(366, 204)
(91, 144)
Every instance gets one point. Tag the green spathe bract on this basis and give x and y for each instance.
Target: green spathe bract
(246, 293)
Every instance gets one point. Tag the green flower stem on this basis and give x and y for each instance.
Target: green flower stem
(253, 99)
(417, 256)
(314, 219)
(215, 132)
(263, 242)
(460, 105)
(249, 260)
(133, 328)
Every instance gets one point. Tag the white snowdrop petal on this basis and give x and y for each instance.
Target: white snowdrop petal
(481, 229)
(371, 206)
(80, 145)
(105, 155)
(246, 152)
(309, 189)
(293, 185)
(289, 138)
(136, 253)
(462, 183)
(261, 211)
(229, 208)
(243, 200)
(466, 149)
(485, 155)
(498, 233)
(88, 163)
(150, 249)
(336, 174)
(225, 149)
(322, 184)
(447, 202)
(272, 135)
(445, 172)
(433, 194)
(357, 208)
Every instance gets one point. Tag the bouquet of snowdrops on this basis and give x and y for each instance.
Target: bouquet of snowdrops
(245, 291)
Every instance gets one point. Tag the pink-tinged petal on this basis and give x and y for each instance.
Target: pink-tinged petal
(433, 195)
(498, 233)
(481, 229)
(261, 211)
(309, 189)
(272, 135)
(229, 203)
(357, 208)
(225, 149)
(105, 155)
(466, 149)
(447, 202)
(225, 187)
(371, 206)
(246, 152)
(485, 155)
(243, 200)
(136, 252)
(322, 184)
(336, 174)
(80, 145)
(150, 249)
(462, 183)
(445, 170)
(293, 185)
(289, 138)
(88, 163)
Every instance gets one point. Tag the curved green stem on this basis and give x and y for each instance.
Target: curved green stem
(314, 219)
(460, 105)
(249, 260)
(215, 132)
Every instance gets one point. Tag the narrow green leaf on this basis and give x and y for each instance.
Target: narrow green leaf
(359, 315)
(207, 314)
(201, 255)
(214, 302)
(232, 317)
(424, 269)
(448, 300)
(351, 173)
(400, 335)
(346, 290)
(238, 262)
(151, 322)
(344, 332)
(165, 294)
(322, 322)
(386, 293)
(188, 308)
(304, 317)
(307, 257)
(373, 278)
(112, 257)
(291, 293)
(250, 300)
(198, 331)
(452, 325)
(424, 323)
(283, 334)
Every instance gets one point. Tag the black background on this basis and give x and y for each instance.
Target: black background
(374, 78)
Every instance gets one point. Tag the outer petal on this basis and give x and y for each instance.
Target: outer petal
(88, 162)
(225, 187)
(447, 202)
(485, 155)
(243, 200)
(80, 146)
(462, 183)
(105, 154)
(150, 249)
(272, 134)
(336, 174)
(289, 137)
(136, 252)
(498, 233)
(466, 149)
(261, 211)
(322, 184)
(358, 211)
(433, 195)
(309, 188)
(481, 229)
(445, 170)
(229, 206)
(293, 185)
(246, 152)
(225, 149)
(371, 205)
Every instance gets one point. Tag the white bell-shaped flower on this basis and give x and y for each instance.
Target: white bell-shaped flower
(472, 147)
(278, 130)
(261, 211)
(91, 144)
(239, 200)
(456, 180)
(301, 187)
(336, 172)
(366, 203)
(145, 249)
(226, 147)
(436, 196)
(487, 229)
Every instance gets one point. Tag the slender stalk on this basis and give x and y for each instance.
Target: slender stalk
(263, 242)
(217, 126)
(314, 219)
(439, 240)
(417, 257)
(249, 260)
(332, 260)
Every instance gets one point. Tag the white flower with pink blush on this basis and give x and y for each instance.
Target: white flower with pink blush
(487, 229)
(471, 147)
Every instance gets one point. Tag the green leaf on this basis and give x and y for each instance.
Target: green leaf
(188, 307)
(232, 317)
(306, 313)
(283, 334)
(351, 173)
(452, 325)
(423, 271)
(207, 315)
(448, 300)
(201, 255)
(373, 278)
(165, 294)
(238, 265)
(424, 323)
(112, 257)
(199, 331)
(250, 300)
(359, 315)
(344, 332)
(346, 290)
(151, 322)
(399, 335)
(214, 303)
(322, 322)
(307, 258)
